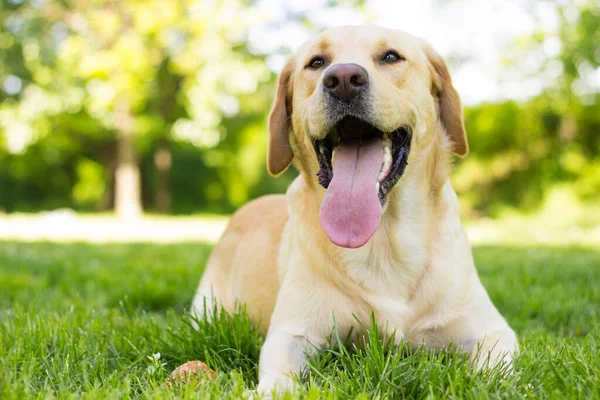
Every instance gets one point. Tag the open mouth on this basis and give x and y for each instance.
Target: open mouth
(358, 165)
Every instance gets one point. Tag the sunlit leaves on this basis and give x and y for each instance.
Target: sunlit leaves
(113, 52)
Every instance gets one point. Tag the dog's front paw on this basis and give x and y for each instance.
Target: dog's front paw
(255, 395)
(495, 350)
(268, 387)
(491, 359)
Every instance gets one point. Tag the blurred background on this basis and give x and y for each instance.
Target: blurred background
(127, 110)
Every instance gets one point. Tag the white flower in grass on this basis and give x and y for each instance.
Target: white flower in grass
(155, 363)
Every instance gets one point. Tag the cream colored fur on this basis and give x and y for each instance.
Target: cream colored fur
(416, 274)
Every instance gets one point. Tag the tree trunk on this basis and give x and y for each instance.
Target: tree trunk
(162, 162)
(128, 204)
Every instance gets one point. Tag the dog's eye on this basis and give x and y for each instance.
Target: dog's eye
(392, 57)
(316, 63)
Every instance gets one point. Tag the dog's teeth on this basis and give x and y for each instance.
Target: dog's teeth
(387, 157)
(387, 142)
(377, 186)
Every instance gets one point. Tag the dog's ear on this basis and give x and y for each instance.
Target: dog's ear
(280, 154)
(451, 113)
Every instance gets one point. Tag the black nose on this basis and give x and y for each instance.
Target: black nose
(345, 81)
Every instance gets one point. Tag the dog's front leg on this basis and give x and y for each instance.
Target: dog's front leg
(282, 355)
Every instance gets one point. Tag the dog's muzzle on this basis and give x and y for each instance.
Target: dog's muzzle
(358, 165)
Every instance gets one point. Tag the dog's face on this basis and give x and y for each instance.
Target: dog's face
(358, 97)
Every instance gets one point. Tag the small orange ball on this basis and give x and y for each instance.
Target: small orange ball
(195, 371)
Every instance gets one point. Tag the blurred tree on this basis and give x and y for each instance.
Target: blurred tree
(144, 73)
(163, 103)
(521, 150)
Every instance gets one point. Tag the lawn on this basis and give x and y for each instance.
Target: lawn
(85, 321)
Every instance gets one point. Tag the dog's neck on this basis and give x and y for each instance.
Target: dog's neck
(421, 189)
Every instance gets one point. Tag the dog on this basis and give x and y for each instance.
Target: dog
(370, 228)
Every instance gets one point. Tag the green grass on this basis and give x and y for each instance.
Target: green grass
(83, 321)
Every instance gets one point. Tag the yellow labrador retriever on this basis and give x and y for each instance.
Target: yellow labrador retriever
(370, 118)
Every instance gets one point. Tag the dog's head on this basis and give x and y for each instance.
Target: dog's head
(355, 100)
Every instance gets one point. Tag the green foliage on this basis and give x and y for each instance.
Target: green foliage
(90, 185)
(165, 71)
(182, 77)
(84, 321)
(520, 151)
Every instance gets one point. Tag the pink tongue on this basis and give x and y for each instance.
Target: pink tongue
(350, 212)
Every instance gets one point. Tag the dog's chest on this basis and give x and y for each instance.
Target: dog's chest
(384, 286)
